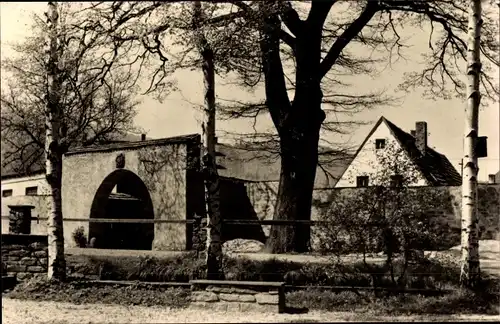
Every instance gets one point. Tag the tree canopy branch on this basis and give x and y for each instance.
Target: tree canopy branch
(291, 18)
(352, 31)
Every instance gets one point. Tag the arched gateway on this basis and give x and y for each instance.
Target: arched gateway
(150, 179)
(129, 200)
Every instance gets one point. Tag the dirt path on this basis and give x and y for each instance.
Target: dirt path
(17, 311)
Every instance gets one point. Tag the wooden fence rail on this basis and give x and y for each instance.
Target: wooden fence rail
(192, 221)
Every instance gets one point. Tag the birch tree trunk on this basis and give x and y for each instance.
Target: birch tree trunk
(53, 164)
(212, 185)
(470, 271)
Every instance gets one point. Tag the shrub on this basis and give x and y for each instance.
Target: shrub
(390, 215)
(442, 273)
(178, 269)
(79, 292)
(257, 270)
(457, 302)
(325, 300)
(79, 237)
(84, 265)
(399, 220)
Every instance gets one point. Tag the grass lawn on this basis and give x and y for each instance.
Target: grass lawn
(458, 302)
(439, 272)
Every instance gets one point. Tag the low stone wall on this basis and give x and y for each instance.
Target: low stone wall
(238, 295)
(38, 214)
(24, 256)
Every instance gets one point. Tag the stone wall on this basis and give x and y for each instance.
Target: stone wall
(239, 296)
(195, 199)
(263, 197)
(489, 210)
(41, 204)
(235, 204)
(199, 233)
(448, 215)
(24, 256)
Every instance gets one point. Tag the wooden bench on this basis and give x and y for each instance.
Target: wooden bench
(226, 295)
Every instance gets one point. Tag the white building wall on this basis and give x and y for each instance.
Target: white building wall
(19, 185)
(40, 202)
(367, 164)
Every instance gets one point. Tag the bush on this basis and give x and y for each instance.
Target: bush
(457, 302)
(325, 300)
(390, 215)
(257, 270)
(176, 269)
(79, 237)
(79, 292)
(432, 274)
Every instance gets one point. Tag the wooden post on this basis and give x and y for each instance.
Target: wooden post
(212, 185)
(470, 270)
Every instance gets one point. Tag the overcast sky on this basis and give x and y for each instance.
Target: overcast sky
(175, 116)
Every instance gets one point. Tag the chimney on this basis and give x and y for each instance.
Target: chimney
(491, 178)
(421, 136)
(413, 133)
(143, 137)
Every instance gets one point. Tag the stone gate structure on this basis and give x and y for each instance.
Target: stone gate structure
(151, 179)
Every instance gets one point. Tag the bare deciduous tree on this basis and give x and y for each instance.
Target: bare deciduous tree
(58, 96)
(302, 54)
(94, 109)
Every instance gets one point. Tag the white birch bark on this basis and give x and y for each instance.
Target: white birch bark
(53, 164)
(470, 271)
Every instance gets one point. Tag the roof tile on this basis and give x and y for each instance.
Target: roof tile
(435, 167)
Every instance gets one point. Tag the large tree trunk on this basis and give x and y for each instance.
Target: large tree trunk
(56, 260)
(212, 185)
(470, 271)
(298, 126)
(299, 139)
(299, 159)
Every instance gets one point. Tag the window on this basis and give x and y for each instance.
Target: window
(412, 150)
(362, 181)
(379, 143)
(31, 191)
(396, 180)
(7, 193)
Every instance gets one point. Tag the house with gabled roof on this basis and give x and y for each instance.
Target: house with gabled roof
(431, 167)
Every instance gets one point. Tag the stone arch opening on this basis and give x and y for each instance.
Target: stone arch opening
(129, 200)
